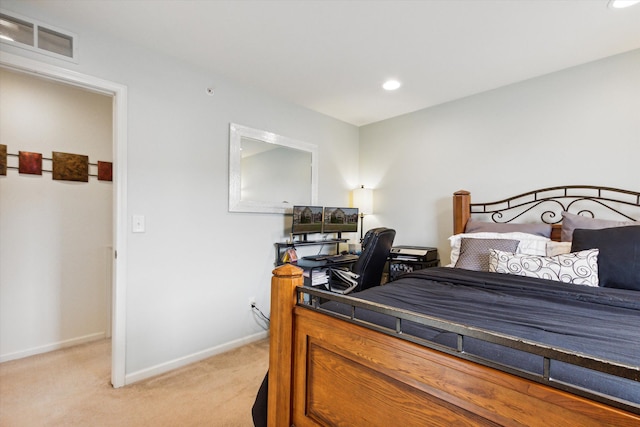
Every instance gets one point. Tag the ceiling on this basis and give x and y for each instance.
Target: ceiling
(333, 56)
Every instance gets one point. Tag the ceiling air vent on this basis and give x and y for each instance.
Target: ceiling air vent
(36, 36)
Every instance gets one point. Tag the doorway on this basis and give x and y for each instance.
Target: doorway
(118, 94)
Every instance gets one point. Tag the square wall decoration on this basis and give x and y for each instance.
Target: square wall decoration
(70, 167)
(3, 159)
(105, 171)
(30, 163)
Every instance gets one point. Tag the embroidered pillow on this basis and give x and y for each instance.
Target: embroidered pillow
(474, 253)
(579, 268)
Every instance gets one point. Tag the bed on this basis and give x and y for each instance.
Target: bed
(440, 346)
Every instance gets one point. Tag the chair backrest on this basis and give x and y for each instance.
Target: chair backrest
(376, 246)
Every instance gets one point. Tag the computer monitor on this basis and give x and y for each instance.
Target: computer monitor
(306, 220)
(340, 220)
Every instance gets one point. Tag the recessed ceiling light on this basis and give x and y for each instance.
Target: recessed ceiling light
(621, 4)
(391, 85)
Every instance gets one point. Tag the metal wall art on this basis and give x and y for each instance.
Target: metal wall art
(3, 159)
(70, 167)
(30, 163)
(65, 166)
(105, 171)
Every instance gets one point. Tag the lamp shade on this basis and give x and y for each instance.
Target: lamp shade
(363, 200)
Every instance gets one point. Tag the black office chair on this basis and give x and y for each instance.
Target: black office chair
(366, 272)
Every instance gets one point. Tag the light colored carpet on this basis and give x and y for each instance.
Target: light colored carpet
(72, 387)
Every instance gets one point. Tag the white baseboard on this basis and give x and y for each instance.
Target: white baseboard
(192, 358)
(51, 347)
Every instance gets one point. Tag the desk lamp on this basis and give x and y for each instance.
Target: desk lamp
(363, 200)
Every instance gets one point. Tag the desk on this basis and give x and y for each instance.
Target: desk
(316, 272)
(281, 248)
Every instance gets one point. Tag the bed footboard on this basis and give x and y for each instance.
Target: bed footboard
(325, 371)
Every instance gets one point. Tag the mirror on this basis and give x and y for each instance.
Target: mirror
(270, 173)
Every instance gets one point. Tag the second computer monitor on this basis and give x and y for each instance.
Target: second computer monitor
(340, 220)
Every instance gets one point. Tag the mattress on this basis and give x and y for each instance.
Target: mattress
(596, 321)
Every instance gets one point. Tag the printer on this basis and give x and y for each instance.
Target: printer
(414, 253)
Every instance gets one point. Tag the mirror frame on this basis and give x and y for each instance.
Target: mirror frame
(236, 204)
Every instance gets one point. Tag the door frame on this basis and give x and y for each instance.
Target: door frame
(118, 93)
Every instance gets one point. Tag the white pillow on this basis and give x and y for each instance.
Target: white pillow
(529, 243)
(579, 268)
(558, 248)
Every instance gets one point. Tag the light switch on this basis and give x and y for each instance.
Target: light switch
(138, 224)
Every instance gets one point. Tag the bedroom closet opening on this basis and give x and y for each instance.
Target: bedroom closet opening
(56, 234)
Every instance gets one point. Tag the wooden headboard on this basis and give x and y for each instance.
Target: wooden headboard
(547, 204)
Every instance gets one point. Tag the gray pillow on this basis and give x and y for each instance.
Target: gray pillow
(543, 230)
(474, 253)
(572, 221)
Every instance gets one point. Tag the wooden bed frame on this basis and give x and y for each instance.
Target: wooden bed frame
(327, 371)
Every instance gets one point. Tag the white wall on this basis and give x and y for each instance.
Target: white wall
(577, 126)
(191, 274)
(55, 236)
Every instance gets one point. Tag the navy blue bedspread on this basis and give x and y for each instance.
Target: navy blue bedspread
(602, 322)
